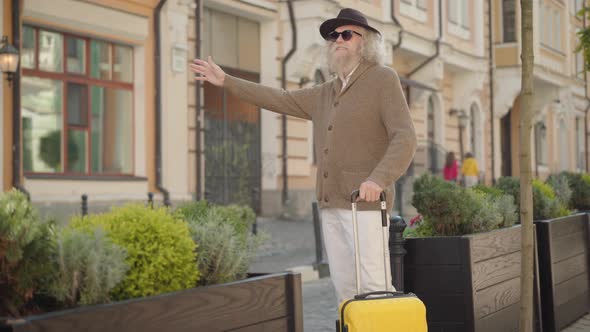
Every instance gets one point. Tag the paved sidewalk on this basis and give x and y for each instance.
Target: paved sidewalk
(583, 324)
(290, 246)
(319, 306)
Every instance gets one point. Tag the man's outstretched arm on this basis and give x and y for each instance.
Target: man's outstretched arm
(296, 103)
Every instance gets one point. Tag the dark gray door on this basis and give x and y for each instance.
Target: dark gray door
(232, 147)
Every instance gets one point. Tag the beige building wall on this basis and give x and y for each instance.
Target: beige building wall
(560, 93)
(417, 22)
(174, 72)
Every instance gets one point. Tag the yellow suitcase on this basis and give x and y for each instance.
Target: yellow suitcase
(384, 310)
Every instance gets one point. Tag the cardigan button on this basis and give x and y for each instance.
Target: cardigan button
(330, 127)
(325, 174)
(326, 200)
(336, 104)
(326, 151)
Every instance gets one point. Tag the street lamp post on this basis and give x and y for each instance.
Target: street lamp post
(463, 118)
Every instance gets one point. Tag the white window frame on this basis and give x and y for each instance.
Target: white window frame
(551, 36)
(461, 27)
(413, 9)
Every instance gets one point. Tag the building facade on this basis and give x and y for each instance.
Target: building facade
(102, 95)
(561, 90)
(108, 108)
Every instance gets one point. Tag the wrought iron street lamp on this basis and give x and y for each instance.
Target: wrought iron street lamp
(8, 59)
(463, 119)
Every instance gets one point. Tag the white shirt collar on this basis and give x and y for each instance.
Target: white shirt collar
(347, 78)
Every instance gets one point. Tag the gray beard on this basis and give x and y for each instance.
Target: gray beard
(339, 65)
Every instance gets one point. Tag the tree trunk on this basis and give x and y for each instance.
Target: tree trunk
(526, 190)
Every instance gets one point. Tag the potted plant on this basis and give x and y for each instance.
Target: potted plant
(137, 268)
(564, 254)
(463, 258)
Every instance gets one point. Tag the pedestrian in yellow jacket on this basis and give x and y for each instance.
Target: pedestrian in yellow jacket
(470, 170)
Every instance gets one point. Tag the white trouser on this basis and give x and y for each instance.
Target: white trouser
(470, 180)
(339, 242)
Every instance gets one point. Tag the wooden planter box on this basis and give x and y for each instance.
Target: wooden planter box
(263, 303)
(468, 283)
(564, 273)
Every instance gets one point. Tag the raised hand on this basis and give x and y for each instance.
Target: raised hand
(208, 71)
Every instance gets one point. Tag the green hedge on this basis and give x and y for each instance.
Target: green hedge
(160, 250)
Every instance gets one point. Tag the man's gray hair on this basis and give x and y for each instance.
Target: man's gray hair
(373, 49)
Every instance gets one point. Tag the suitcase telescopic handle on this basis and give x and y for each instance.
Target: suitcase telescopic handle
(353, 200)
(355, 195)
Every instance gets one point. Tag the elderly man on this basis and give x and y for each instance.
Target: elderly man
(364, 139)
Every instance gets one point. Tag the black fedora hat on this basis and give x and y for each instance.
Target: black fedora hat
(347, 16)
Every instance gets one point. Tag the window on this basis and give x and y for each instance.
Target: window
(458, 15)
(416, 9)
(232, 40)
(576, 6)
(581, 143)
(508, 21)
(557, 30)
(77, 104)
(416, 3)
(540, 132)
(29, 48)
(459, 12)
(551, 36)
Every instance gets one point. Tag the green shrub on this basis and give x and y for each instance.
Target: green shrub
(422, 229)
(452, 210)
(545, 203)
(442, 204)
(561, 187)
(89, 266)
(160, 251)
(241, 218)
(510, 186)
(192, 210)
(505, 206)
(495, 210)
(25, 248)
(492, 191)
(580, 186)
(226, 245)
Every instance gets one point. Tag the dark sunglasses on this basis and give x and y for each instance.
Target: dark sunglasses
(346, 35)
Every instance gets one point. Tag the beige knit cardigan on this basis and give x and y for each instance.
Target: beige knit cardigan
(363, 132)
